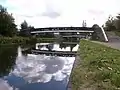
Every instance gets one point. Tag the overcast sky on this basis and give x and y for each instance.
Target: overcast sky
(45, 13)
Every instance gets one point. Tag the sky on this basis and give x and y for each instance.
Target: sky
(52, 13)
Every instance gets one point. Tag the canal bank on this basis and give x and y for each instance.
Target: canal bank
(97, 68)
(24, 40)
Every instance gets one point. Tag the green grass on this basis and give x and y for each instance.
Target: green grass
(23, 40)
(98, 69)
(117, 33)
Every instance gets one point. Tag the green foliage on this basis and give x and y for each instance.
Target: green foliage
(118, 22)
(23, 40)
(98, 69)
(25, 29)
(110, 24)
(117, 33)
(13, 40)
(7, 26)
(24, 25)
(113, 24)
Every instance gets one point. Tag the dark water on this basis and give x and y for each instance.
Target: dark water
(21, 70)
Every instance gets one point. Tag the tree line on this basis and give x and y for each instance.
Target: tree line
(8, 27)
(113, 23)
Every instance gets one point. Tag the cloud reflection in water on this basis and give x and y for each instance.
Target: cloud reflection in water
(41, 68)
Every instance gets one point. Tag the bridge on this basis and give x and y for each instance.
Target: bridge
(62, 31)
(95, 31)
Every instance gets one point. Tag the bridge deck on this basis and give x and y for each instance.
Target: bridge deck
(56, 31)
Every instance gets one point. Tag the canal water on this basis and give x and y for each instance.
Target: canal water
(22, 69)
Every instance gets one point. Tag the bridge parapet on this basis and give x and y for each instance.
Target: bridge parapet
(62, 28)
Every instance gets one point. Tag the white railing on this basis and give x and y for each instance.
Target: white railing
(105, 36)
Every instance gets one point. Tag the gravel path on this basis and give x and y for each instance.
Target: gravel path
(114, 41)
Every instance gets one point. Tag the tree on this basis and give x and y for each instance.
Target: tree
(7, 25)
(24, 25)
(113, 24)
(117, 22)
(110, 24)
(2, 9)
(25, 29)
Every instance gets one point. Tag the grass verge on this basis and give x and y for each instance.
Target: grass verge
(117, 33)
(23, 40)
(98, 69)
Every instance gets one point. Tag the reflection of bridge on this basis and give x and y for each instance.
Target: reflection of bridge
(53, 49)
(58, 53)
(52, 53)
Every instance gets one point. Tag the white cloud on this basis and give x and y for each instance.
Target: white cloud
(43, 13)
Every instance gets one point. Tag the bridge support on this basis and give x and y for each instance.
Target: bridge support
(99, 34)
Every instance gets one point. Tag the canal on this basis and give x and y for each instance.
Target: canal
(43, 66)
